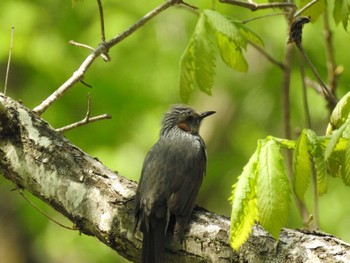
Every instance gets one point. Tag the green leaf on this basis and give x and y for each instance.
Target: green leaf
(319, 161)
(231, 54)
(341, 12)
(244, 205)
(340, 113)
(273, 190)
(248, 34)
(231, 39)
(302, 166)
(346, 170)
(315, 10)
(335, 137)
(197, 65)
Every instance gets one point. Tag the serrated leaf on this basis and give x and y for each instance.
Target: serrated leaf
(302, 166)
(231, 54)
(273, 190)
(197, 62)
(341, 12)
(248, 34)
(224, 26)
(335, 137)
(244, 205)
(315, 10)
(230, 40)
(319, 161)
(340, 113)
(346, 170)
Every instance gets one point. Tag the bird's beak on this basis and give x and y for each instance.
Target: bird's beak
(206, 114)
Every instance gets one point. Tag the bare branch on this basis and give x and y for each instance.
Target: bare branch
(102, 21)
(332, 101)
(331, 64)
(254, 6)
(9, 60)
(101, 49)
(84, 121)
(268, 56)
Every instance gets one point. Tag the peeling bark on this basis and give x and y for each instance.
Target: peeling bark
(100, 202)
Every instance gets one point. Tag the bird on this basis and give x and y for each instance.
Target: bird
(171, 176)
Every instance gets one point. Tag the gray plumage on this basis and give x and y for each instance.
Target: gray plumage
(172, 173)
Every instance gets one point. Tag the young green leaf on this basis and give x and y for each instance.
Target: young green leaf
(198, 62)
(231, 39)
(244, 206)
(273, 189)
(346, 170)
(302, 166)
(340, 113)
(318, 161)
(341, 12)
(335, 137)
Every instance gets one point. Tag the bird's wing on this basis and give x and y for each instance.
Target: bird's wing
(189, 177)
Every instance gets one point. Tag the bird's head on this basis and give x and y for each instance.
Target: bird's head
(183, 118)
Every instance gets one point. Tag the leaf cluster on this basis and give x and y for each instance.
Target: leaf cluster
(214, 34)
(263, 191)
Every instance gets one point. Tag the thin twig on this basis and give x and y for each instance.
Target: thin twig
(332, 101)
(331, 64)
(254, 6)
(104, 56)
(84, 121)
(308, 5)
(9, 60)
(102, 48)
(304, 92)
(43, 213)
(73, 43)
(102, 23)
(264, 16)
(268, 56)
(314, 85)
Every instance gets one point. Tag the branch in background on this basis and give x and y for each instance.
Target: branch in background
(85, 121)
(101, 49)
(254, 6)
(102, 21)
(332, 101)
(331, 64)
(304, 92)
(268, 56)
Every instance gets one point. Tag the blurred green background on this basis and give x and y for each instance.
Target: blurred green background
(136, 88)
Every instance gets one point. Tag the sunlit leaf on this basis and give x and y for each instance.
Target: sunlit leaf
(302, 166)
(339, 114)
(319, 161)
(231, 54)
(197, 62)
(248, 34)
(335, 137)
(273, 189)
(346, 170)
(244, 205)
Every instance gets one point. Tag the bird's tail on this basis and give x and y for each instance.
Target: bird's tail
(153, 245)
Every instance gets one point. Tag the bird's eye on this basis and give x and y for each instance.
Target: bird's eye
(190, 118)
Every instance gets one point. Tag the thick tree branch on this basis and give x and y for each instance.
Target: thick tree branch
(100, 202)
